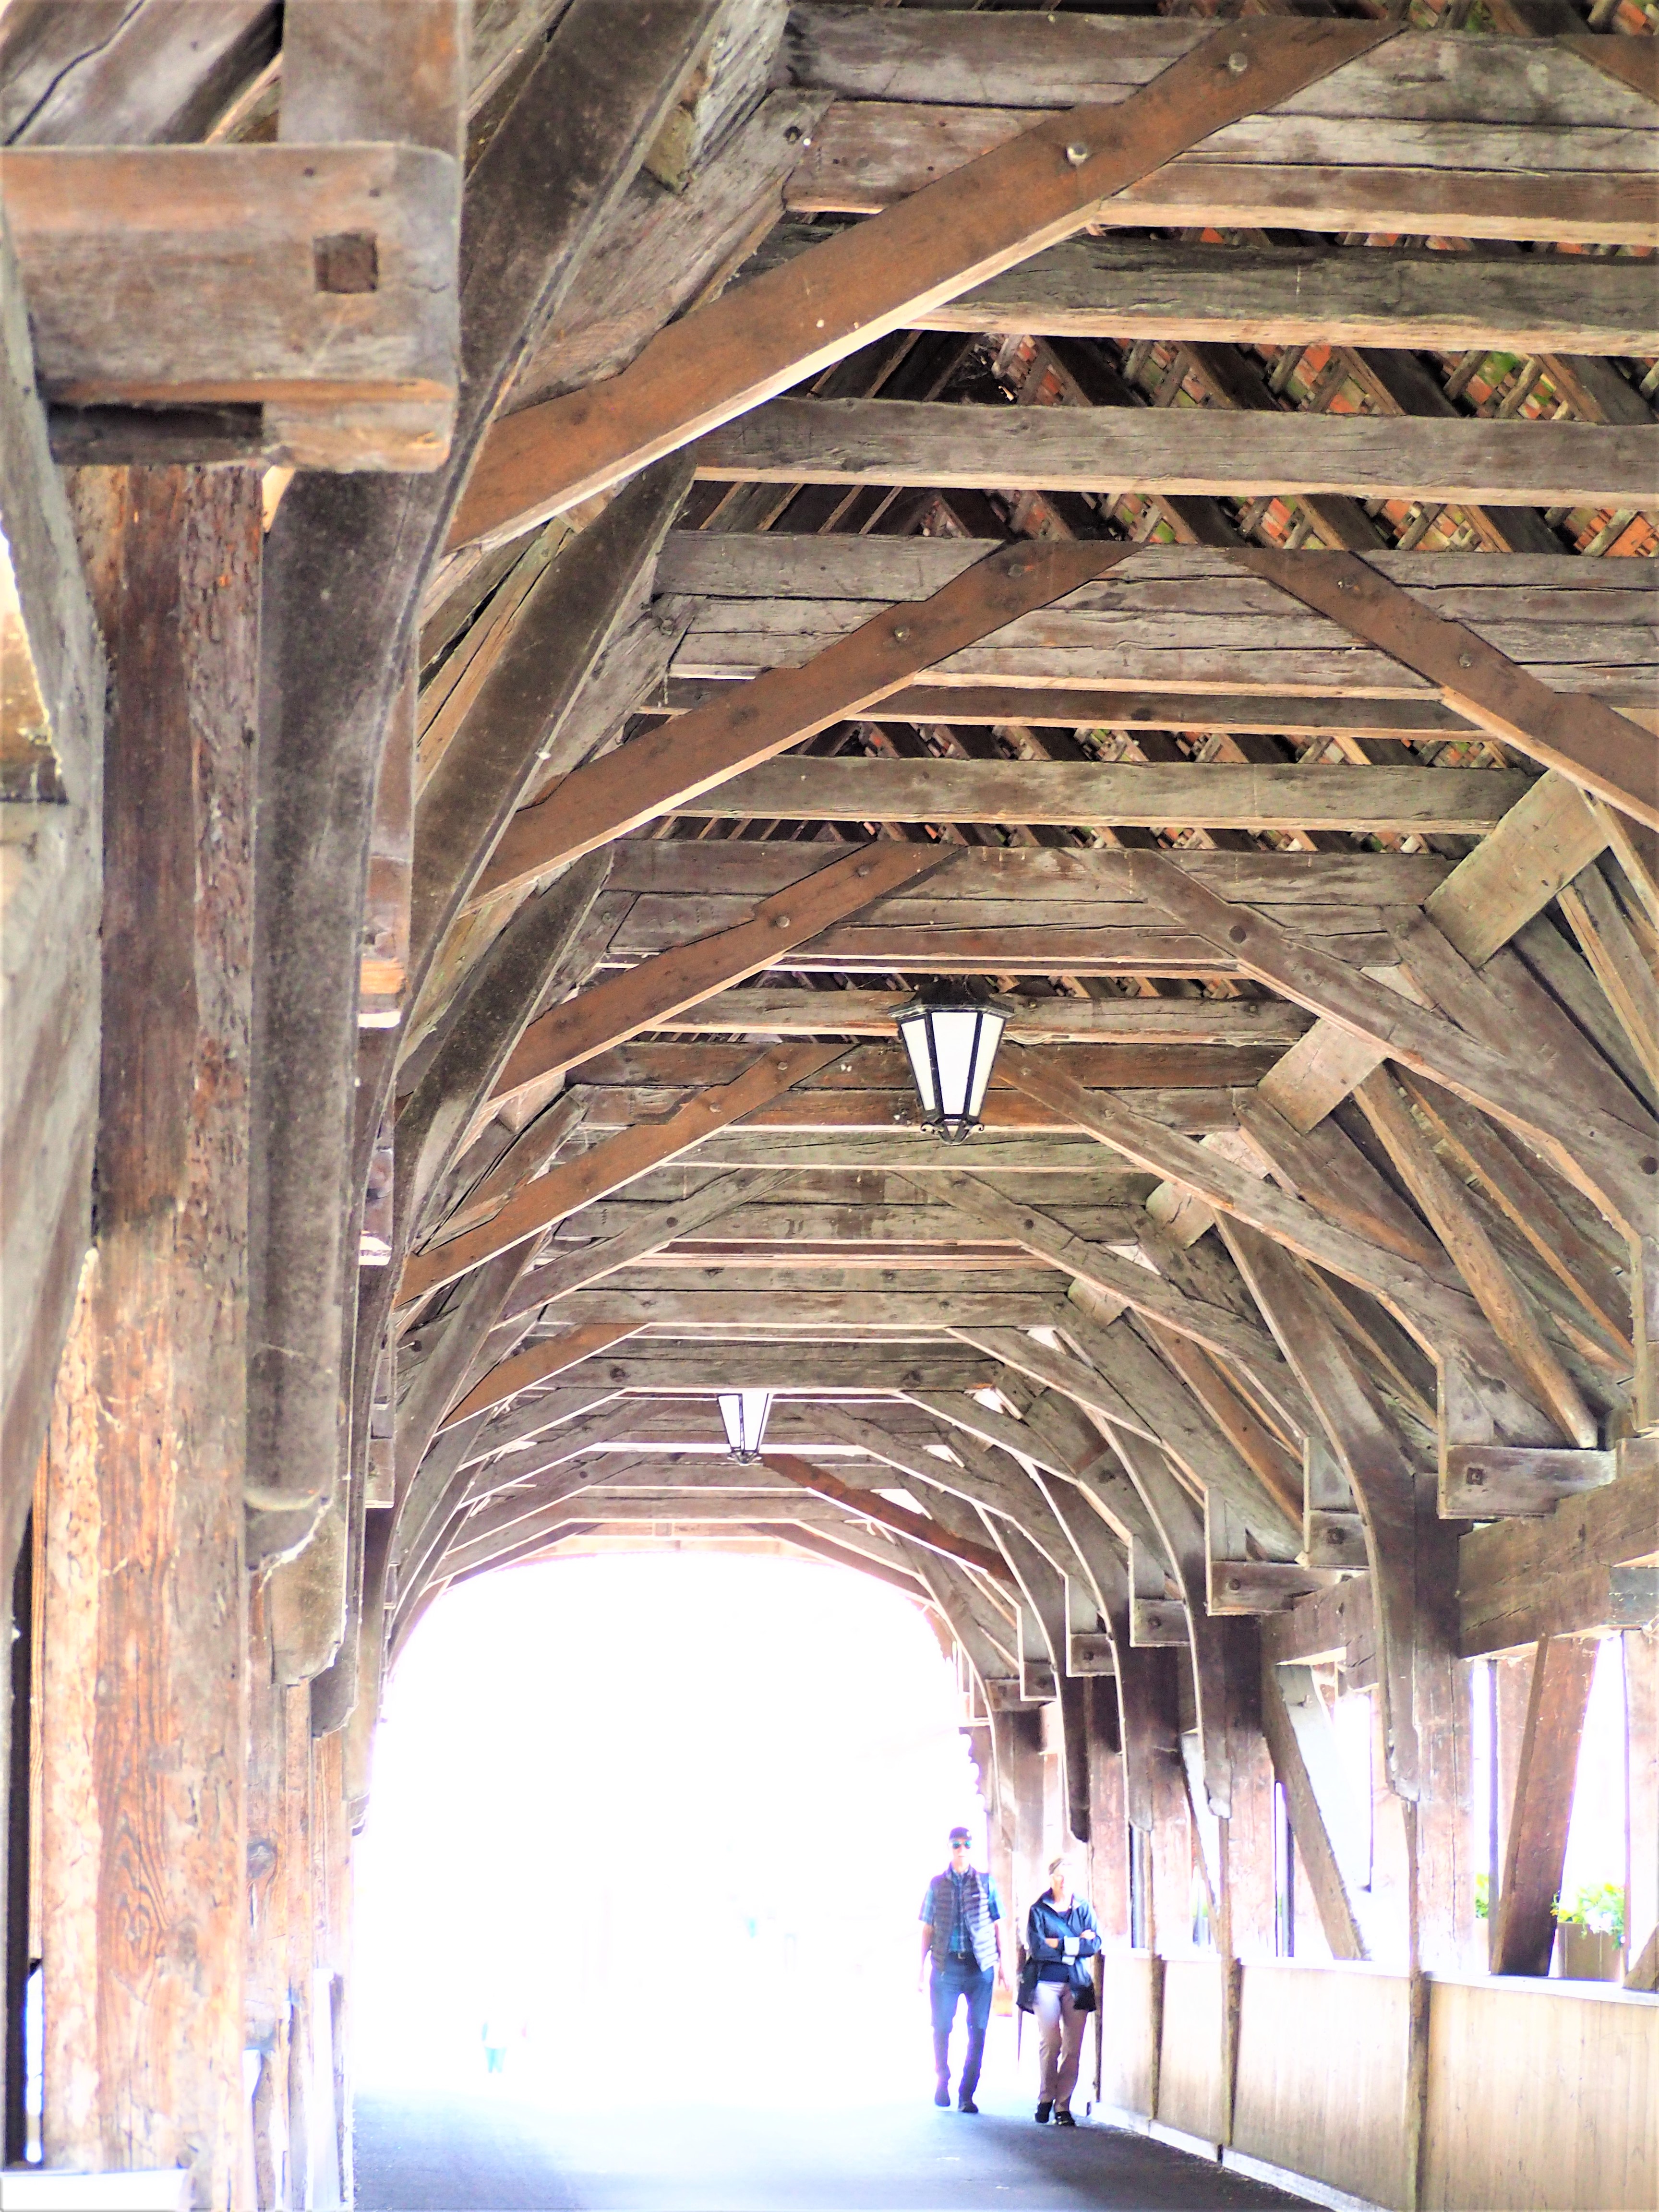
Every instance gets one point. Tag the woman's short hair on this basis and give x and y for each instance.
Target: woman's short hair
(1061, 1865)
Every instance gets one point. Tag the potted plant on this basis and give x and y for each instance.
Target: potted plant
(1592, 1932)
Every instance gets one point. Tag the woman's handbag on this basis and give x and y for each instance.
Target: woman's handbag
(1026, 1996)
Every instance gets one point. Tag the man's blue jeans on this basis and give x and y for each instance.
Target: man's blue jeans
(952, 1982)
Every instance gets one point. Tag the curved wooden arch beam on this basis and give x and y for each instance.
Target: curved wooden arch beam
(1581, 737)
(785, 325)
(345, 563)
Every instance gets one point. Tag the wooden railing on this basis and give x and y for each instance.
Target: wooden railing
(1437, 2096)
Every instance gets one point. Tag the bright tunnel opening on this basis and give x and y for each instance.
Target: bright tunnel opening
(659, 1823)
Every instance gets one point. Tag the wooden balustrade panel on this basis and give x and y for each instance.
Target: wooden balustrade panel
(1324, 2074)
(1541, 2098)
(1191, 2087)
(1129, 2013)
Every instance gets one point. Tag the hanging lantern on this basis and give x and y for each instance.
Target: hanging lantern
(953, 1040)
(744, 1413)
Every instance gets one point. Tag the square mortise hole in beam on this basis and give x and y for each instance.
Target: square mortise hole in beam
(347, 261)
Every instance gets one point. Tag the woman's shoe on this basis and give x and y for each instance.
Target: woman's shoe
(1043, 2112)
(1063, 2117)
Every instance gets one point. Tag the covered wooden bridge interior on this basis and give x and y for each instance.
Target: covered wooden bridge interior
(566, 559)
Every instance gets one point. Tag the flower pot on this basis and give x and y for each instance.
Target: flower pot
(1586, 1957)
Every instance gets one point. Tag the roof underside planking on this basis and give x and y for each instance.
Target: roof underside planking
(1060, 1309)
(891, 560)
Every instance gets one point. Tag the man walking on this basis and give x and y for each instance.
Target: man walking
(961, 1937)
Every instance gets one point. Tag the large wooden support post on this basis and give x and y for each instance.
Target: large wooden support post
(144, 1842)
(1019, 1783)
(1247, 1833)
(1523, 1928)
(1108, 1821)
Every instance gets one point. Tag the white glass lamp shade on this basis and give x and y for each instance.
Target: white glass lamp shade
(952, 1044)
(743, 1412)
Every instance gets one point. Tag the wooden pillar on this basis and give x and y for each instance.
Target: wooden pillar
(1108, 1825)
(1523, 1928)
(1247, 1833)
(143, 1845)
(1019, 1788)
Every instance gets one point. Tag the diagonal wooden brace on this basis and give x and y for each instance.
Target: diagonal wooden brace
(916, 1526)
(787, 325)
(663, 772)
(1586, 740)
(608, 1166)
(611, 1012)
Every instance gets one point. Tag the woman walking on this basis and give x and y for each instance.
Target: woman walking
(1056, 1984)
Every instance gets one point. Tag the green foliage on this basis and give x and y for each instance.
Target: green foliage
(1598, 1907)
(1483, 1896)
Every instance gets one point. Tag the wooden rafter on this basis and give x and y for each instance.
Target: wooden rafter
(781, 327)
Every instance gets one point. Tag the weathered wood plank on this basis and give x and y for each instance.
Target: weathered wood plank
(886, 1066)
(610, 1011)
(778, 1012)
(126, 76)
(664, 251)
(1277, 713)
(137, 266)
(1500, 1297)
(1194, 451)
(1089, 795)
(1187, 621)
(1559, 1574)
(1044, 881)
(666, 769)
(1590, 1135)
(1478, 588)
(895, 1111)
(1604, 752)
(607, 1166)
(867, 155)
(568, 616)
(1057, 61)
(1130, 289)
(1001, 947)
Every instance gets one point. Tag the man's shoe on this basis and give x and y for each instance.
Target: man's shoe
(942, 2094)
(1043, 2112)
(1063, 2117)
(966, 2103)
